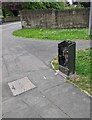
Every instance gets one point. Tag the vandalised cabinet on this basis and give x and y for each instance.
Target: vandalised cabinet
(66, 57)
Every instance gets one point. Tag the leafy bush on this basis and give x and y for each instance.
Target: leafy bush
(43, 5)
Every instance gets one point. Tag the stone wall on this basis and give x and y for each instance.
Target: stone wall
(11, 19)
(55, 18)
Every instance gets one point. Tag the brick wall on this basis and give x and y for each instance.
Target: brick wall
(55, 18)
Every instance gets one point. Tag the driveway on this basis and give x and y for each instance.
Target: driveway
(52, 97)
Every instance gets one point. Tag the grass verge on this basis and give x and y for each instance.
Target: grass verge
(83, 70)
(53, 34)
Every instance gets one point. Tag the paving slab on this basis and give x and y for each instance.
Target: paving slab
(75, 103)
(44, 107)
(13, 104)
(36, 105)
(45, 79)
(6, 93)
(30, 62)
(5, 71)
(22, 113)
(48, 110)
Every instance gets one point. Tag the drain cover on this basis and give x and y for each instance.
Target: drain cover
(20, 86)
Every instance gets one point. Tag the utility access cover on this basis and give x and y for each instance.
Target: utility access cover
(21, 85)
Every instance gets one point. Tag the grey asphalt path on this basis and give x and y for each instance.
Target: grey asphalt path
(52, 97)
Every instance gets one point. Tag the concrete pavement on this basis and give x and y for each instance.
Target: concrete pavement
(52, 97)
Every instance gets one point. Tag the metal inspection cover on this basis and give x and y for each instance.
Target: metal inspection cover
(20, 86)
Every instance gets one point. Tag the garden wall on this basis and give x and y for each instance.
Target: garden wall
(55, 18)
(11, 19)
